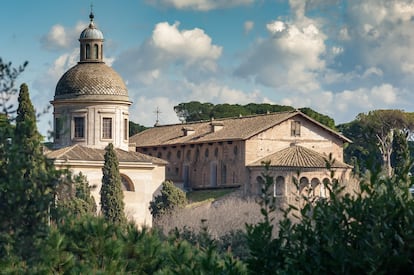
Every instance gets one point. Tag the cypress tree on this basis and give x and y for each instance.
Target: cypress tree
(28, 190)
(112, 204)
(74, 197)
(400, 157)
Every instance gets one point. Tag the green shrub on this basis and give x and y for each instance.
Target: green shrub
(171, 197)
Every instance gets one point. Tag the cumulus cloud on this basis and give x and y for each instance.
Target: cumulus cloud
(61, 38)
(291, 57)
(169, 47)
(379, 34)
(190, 45)
(200, 5)
(345, 105)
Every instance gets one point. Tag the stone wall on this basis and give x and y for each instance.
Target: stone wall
(140, 184)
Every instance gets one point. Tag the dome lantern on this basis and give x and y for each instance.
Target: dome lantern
(91, 43)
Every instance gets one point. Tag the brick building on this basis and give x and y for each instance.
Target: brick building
(229, 152)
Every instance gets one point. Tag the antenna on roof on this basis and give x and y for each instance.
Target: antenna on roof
(157, 112)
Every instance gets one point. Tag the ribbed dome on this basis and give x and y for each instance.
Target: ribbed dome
(87, 80)
(91, 33)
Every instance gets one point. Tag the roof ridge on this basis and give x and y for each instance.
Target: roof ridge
(224, 118)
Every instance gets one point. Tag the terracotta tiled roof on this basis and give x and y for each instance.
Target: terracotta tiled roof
(298, 156)
(231, 129)
(82, 153)
(90, 79)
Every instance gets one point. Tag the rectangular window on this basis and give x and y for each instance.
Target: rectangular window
(58, 128)
(79, 127)
(107, 128)
(295, 129)
(125, 129)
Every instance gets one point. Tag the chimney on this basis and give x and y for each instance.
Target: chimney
(216, 126)
(188, 131)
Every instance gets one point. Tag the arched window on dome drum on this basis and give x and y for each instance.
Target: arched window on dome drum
(96, 49)
(101, 52)
(88, 51)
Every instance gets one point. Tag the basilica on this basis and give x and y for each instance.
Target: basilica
(91, 110)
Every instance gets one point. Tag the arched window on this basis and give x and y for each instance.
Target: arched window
(316, 186)
(88, 51)
(326, 182)
(260, 184)
(179, 154)
(188, 155)
(96, 50)
(127, 184)
(206, 153)
(279, 187)
(303, 183)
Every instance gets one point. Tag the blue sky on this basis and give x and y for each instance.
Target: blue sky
(339, 57)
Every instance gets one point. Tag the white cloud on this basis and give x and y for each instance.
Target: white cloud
(200, 5)
(291, 57)
(372, 71)
(170, 51)
(187, 44)
(275, 27)
(345, 105)
(380, 35)
(218, 93)
(61, 38)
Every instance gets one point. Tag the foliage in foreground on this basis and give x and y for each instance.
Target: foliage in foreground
(91, 245)
(27, 184)
(369, 232)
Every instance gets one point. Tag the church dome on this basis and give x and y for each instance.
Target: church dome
(91, 81)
